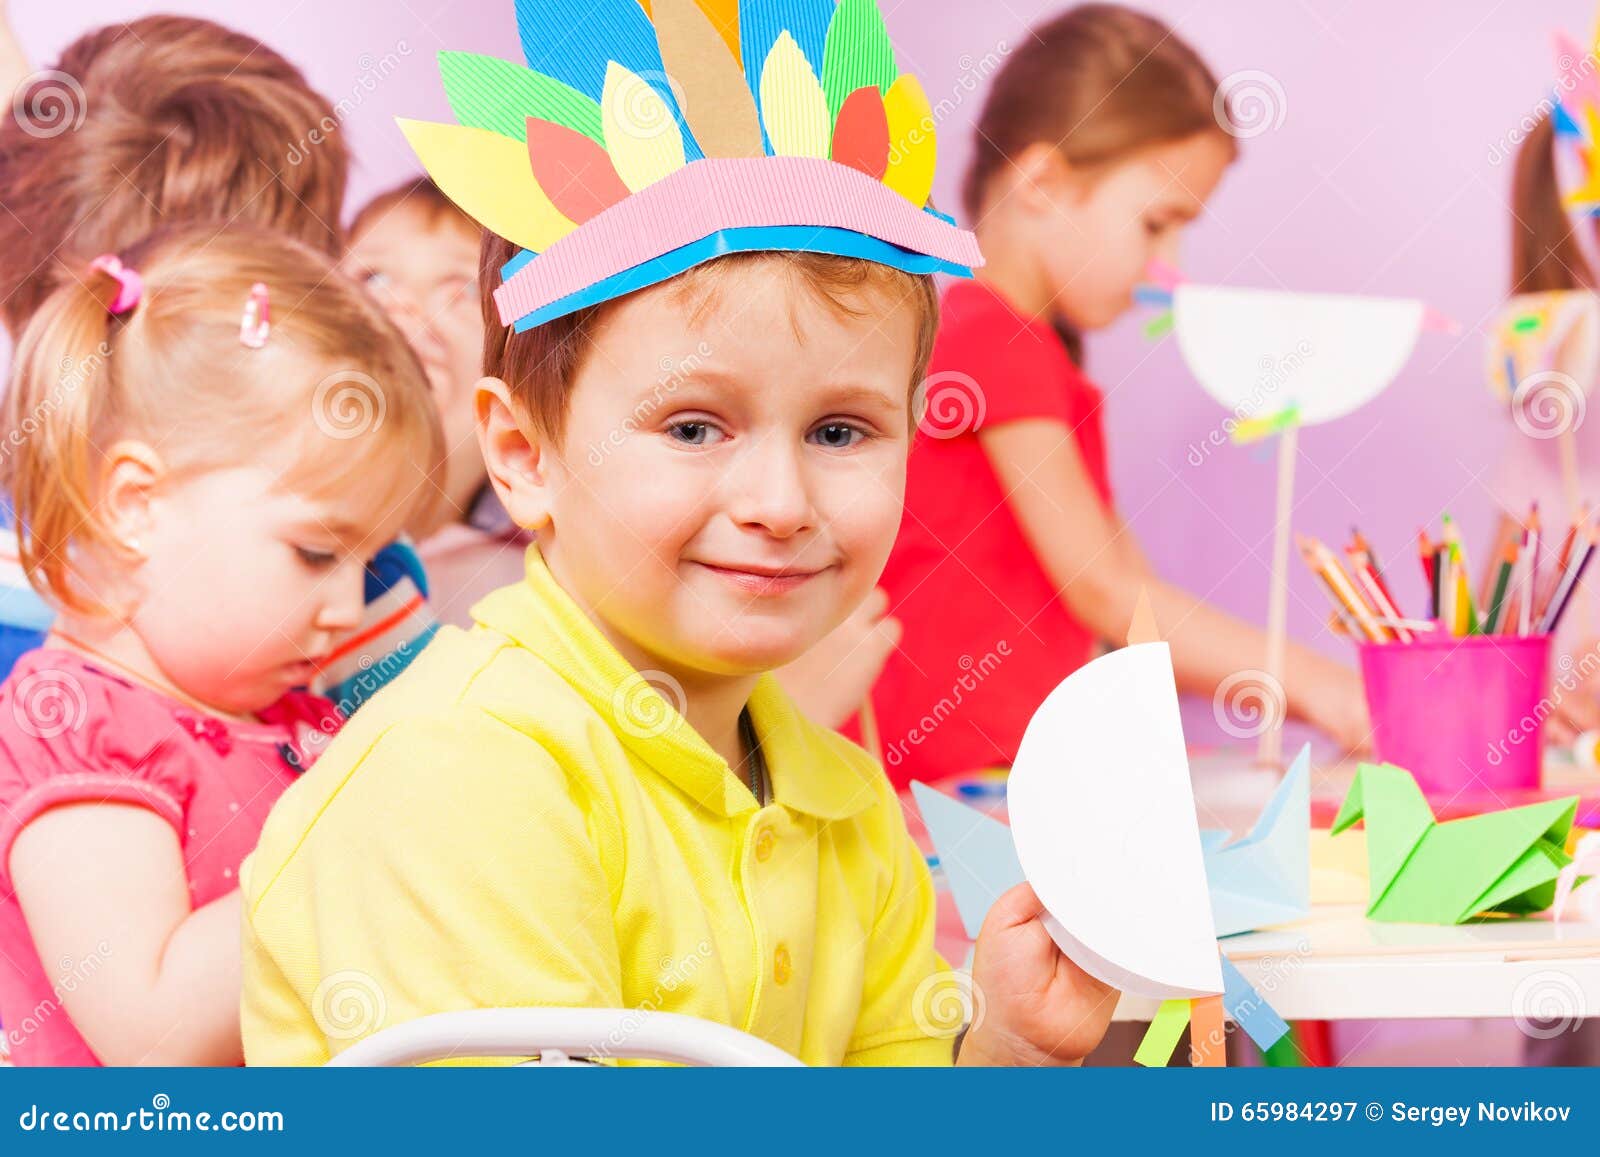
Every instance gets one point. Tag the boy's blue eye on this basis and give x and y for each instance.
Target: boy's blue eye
(695, 433)
(316, 559)
(837, 435)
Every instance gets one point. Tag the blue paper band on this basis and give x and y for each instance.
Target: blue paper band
(768, 238)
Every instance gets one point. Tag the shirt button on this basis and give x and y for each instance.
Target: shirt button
(764, 842)
(781, 968)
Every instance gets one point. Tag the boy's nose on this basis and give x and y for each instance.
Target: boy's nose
(768, 489)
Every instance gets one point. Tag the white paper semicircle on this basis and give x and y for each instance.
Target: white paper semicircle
(1102, 814)
(1260, 351)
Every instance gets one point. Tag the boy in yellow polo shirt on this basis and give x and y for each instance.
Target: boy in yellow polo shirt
(599, 796)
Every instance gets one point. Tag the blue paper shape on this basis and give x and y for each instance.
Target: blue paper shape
(975, 851)
(1565, 126)
(1249, 1009)
(1265, 878)
(793, 238)
(573, 40)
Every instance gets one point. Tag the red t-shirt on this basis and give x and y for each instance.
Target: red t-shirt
(986, 635)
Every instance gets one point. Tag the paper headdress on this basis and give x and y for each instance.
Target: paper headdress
(1576, 117)
(643, 140)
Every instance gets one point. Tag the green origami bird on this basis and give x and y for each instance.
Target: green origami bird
(1425, 872)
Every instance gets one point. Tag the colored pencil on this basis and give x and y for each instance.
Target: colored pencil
(1530, 571)
(1325, 564)
(1367, 576)
(1508, 561)
(1429, 572)
(1569, 583)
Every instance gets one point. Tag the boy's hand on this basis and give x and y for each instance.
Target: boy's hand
(1039, 1008)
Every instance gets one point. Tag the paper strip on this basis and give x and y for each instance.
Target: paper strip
(794, 110)
(717, 103)
(488, 176)
(797, 238)
(1208, 1034)
(487, 93)
(641, 131)
(576, 41)
(1161, 1038)
(727, 193)
(574, 172)
(857, 53)
(1249, 1009)
(913, 147)
(760, 21)
(861, 133)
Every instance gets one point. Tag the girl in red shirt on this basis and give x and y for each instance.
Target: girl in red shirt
(1098, 144)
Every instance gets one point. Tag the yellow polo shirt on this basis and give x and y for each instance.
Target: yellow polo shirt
(521, 820)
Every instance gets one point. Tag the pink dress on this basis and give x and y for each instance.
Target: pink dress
(73, 732)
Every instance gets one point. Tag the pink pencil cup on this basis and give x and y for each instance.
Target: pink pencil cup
(1460, 713)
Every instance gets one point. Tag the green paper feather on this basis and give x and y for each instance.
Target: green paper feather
(488, 93)
(856, 53)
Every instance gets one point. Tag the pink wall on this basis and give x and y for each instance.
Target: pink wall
(1381, 178)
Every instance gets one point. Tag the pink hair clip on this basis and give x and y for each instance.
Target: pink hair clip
(132, 285)
(256, 323)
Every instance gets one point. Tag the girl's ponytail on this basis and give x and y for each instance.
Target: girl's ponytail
(63, 363)
(1545, 253)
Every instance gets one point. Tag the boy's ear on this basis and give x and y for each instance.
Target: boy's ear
(514, 455)
(133, 471)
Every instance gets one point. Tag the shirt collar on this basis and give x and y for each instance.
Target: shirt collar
(810, 770)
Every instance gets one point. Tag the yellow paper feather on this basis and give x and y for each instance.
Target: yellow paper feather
(794, 107)
(912, 145)
(489, 177)
(642, 135)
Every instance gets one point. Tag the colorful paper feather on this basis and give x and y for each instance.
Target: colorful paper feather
(619, 95)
